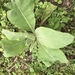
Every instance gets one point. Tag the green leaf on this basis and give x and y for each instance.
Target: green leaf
(17, 35)
(14, 35)
(47, 12)
(48, 56)
(53, 39)
(22, 14)
(13, 47)
(0, 43)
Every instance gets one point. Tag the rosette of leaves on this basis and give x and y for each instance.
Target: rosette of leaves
(47, 40)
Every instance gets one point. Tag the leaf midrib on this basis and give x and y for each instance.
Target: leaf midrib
(24, 17)
(47, 52)
(18, 42)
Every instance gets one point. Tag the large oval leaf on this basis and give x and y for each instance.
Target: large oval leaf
(48, 56)
(22, 14)
(14, 35)
(13, 47)
(53, 39)
(17, 35)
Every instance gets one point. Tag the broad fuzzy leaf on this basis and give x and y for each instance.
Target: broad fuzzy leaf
(12, 48)
(17, 35)
(22, 14)
(53, 39)
(48, 56)
(14, 35)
